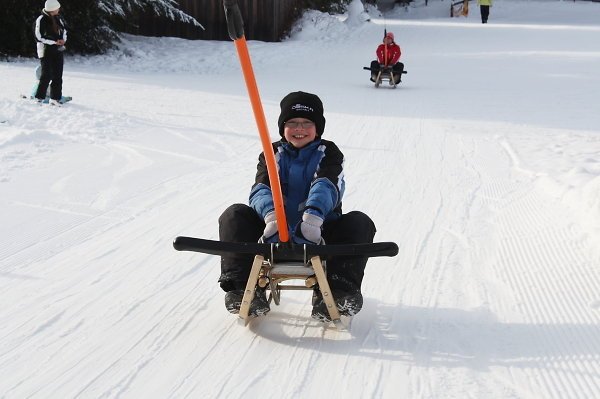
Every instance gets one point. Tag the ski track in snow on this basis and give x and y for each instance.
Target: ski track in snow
(489, 182)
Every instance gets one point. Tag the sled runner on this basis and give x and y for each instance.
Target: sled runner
(277, 263)
(385, 75)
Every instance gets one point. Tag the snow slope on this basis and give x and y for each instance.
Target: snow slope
(483, 166)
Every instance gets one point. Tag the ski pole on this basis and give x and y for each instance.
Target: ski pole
(235, 27)
(385, 58)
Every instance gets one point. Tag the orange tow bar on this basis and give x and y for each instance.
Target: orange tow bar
(235, 25)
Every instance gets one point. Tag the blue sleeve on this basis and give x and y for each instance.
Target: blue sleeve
(326, 191)
(322, 198)
(261, 199)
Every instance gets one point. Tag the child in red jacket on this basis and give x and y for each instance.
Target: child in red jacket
(388, 56)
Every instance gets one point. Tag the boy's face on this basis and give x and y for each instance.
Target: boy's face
(299, 132)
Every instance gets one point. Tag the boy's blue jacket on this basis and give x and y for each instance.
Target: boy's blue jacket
(312, 180)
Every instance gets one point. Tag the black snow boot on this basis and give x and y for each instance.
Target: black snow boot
(347, 303)
(258, 307)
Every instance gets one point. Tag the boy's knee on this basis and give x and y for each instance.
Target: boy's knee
(362, 224)
(234, 212)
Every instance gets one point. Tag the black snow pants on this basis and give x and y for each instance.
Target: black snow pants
(240, 223)
(52, 70)
(397, 69)
(485, 13)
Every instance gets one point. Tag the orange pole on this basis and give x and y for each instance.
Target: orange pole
(385, 58)
(265, 138)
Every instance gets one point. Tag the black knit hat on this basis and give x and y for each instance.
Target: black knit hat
(302, 105)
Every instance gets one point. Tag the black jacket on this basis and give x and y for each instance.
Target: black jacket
(44, 32)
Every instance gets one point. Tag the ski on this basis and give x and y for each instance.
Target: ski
(63, 99)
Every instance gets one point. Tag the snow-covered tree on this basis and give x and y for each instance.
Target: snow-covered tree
(93, 25)
(125, 8)
(334, 6)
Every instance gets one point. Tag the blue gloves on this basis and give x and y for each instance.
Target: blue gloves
(308, 231)
(270, 234)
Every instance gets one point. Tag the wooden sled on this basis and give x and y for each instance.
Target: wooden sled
(278, 263)
(269, 275)
(385, 75)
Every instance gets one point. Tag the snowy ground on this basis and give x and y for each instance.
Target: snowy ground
(484, 166)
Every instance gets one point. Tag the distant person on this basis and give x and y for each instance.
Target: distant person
(388, 56)
(484, 7)
(51, 36)
(311, 171)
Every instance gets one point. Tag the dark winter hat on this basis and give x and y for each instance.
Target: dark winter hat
(302, 105)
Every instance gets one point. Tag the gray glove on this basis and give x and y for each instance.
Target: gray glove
(270, 232)
(310, 228)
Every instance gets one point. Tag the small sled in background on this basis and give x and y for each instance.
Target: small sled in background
(386, 75)
(277, 263)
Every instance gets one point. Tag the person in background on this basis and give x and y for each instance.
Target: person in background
(311, 172)
(484, 8)
(51, 37)
(388, 56)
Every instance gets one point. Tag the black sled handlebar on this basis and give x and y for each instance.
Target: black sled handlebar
(284, 251)
(377, 70)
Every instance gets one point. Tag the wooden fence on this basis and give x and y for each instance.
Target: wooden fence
(266, 20)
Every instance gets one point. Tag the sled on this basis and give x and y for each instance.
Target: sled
(385, 75)
(279, 263)
(276, 263)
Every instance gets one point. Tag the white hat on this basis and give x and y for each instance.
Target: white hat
(51, 5)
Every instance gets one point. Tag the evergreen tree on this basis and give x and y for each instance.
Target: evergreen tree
(332, 6)
(92, 25)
